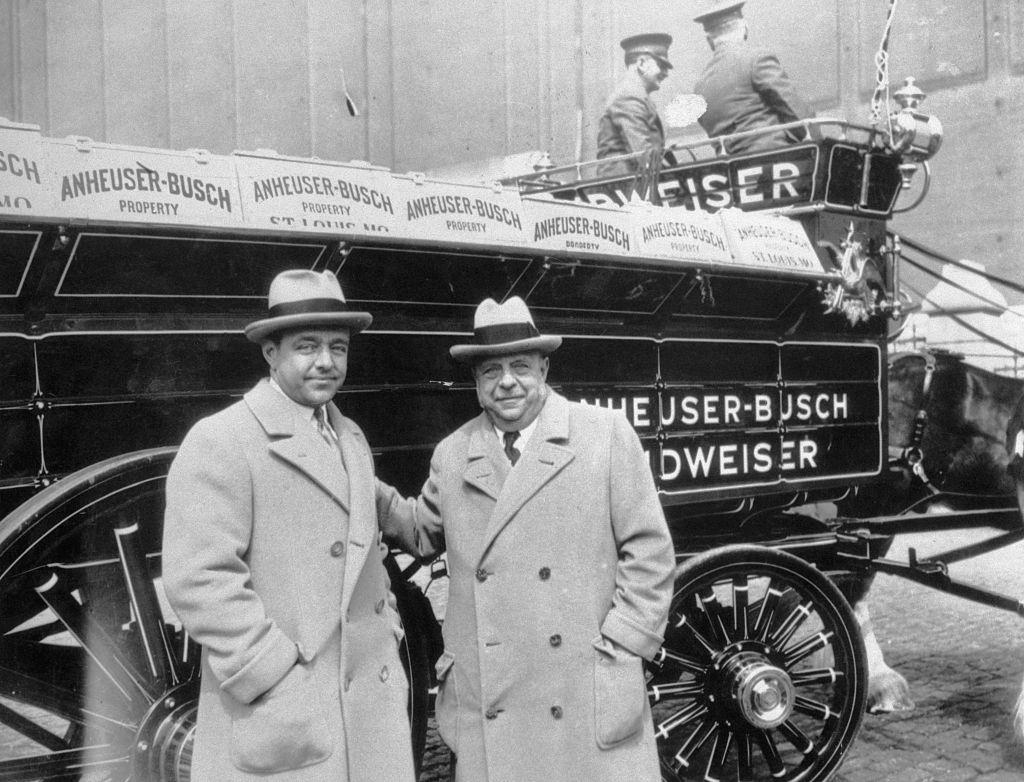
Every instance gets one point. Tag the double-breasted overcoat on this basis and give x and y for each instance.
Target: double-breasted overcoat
(747, 89)
(272, 561)
(561, 575)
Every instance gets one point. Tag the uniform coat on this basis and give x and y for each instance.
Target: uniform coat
(549, 562)
(272, 561)
(747, 89)
(630, 123)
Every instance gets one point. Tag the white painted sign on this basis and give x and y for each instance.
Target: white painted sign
(294, 194)
(450, 212)
(770, 242)
(681, 235)
(26, 186)
(578, 228)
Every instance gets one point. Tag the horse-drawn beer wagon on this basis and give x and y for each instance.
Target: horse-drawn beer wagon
(743, 334)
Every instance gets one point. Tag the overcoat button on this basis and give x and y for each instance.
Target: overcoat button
(545, 573)
(380, 606)
(348, 682)
(337, 548)
(556, 640)
(556, 712)
(491, 714)
(481, 575)
(384, 674)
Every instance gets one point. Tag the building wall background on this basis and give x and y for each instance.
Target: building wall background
(440, 84)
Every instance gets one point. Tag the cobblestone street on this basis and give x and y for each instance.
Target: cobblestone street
(964, 663)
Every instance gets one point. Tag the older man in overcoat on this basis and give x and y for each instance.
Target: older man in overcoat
(272, 561)
(561, 570)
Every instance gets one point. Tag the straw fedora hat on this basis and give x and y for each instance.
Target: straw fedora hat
(300, 297)
(500, 329)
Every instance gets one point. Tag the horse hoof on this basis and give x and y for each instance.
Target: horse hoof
(888, 691)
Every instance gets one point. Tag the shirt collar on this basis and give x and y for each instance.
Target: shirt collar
(303, 411)
(524, 434)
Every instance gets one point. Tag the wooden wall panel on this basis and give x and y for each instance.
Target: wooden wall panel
(1015, 24)
(449, 81)
(8, 60)
(200, 75)
(336, 54)
(942, 43)
(31, 87)
(135, 72)
(74, 68)
(272, 75)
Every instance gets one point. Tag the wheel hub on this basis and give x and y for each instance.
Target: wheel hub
(763, 693)
(164, 741)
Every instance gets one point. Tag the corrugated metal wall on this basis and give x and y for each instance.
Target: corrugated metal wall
(440, 83)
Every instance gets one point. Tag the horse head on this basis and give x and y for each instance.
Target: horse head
(948, 422)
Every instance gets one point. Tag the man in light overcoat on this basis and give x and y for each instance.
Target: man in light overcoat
(272, 561)
(561, 571)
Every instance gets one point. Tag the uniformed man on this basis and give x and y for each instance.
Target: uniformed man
(561, 569)
(630, 122)
(745, 88)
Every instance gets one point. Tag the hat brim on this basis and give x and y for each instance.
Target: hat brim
(258, 330)
(545, 344)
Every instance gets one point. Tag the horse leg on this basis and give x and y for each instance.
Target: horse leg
(888, 690)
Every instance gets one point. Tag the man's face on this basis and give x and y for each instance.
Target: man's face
(309, 364)
(651, 71)
(512, 389)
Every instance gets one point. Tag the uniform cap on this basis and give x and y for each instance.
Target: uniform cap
(715, 12)
(654, 44)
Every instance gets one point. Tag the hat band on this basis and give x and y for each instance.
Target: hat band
(306, 307)
(505, 332)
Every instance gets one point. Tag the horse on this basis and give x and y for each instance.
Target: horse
(953, 428)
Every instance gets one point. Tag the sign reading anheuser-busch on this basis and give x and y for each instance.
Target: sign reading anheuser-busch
(24, 173)
(450, 212)
(295, 194)
(681, 235)
(578, 228)
(768, 241)
(107, 183)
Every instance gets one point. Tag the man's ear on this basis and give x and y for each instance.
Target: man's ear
(268, 349)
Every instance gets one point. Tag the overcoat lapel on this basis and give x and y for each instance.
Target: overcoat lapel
(362, 519)
(484, 470)
(297, 445)
(542, 460)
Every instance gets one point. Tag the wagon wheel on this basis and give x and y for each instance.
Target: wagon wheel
(97, 679)
(763, 674)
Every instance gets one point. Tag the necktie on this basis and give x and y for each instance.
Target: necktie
(510, 449)
(324, 427)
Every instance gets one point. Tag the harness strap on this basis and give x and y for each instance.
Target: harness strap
(912, 456)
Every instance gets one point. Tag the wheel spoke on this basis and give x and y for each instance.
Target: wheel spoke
(719, 750)
(766, 614)
(160, 657)
(770, 752)
(93, 639)
(66, 765)
(31, 730)
(744, 758)
(740, 602)
(664, 658)
(684, 625)
(657, 692)
(680, 718)
(807, 647)
(797, 737)
(780, 637)
(816, 676)
(811, 708)
(697, 739)
(713, 614)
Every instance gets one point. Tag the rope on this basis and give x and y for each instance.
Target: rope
(880, 98)
(946, 259)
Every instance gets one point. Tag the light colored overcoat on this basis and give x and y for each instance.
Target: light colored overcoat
(272, 561)
(552, 564)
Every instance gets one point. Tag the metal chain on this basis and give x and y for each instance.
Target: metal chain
(880, 98)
